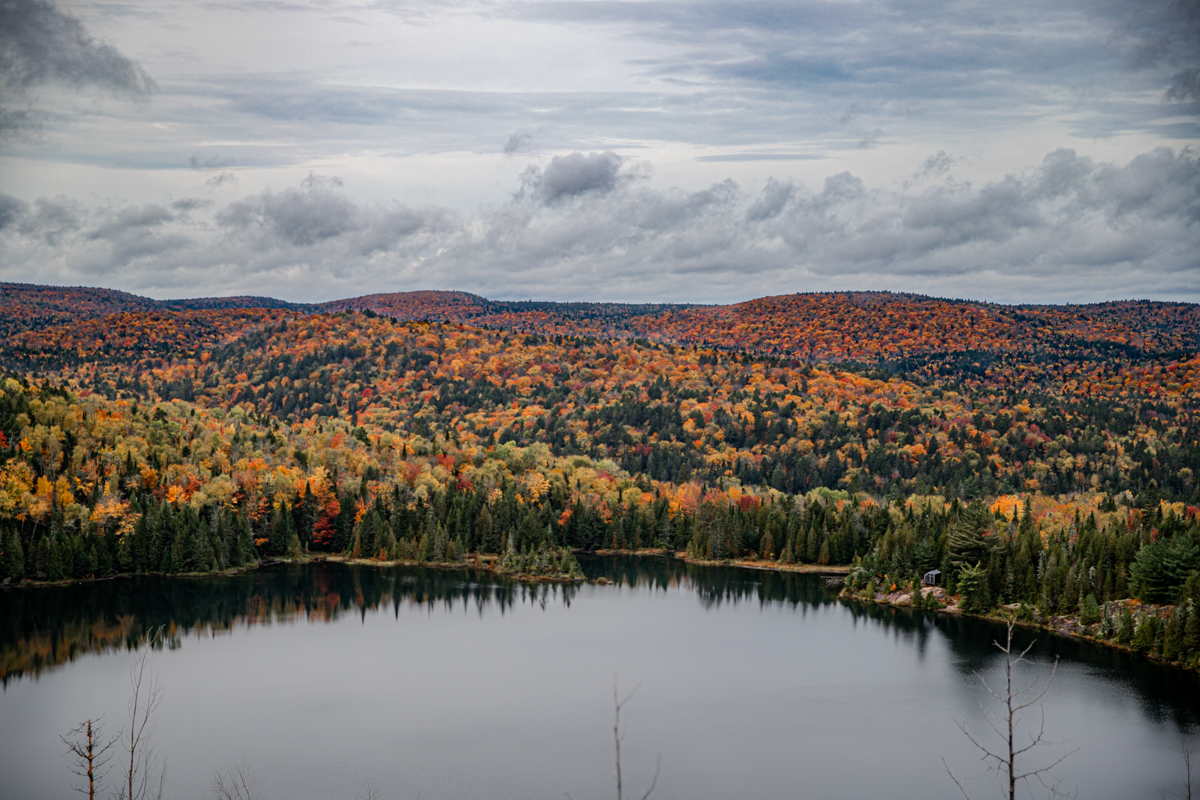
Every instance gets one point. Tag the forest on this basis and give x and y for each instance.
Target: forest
(1042, 457)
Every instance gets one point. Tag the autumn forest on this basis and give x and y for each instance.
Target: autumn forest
(1043, 458)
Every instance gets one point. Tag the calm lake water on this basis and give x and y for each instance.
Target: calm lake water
(327, 680)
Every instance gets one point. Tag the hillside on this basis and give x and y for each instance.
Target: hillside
(855, 427)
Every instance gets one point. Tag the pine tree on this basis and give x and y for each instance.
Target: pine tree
(12, 565)
(973, 589)
(788, 556)
(1125, 629)
(1143, 638)
(1191, 629)
(1089, 610)
(1173, 635)
(767, 546)
(918, 597)
(966, 544)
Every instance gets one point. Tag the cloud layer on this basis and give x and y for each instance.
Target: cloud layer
(589, 226)
(41, 46)
(603, 149)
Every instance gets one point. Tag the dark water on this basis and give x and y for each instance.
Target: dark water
(327, 680)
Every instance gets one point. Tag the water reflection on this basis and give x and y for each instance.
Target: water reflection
(41, 629)
(44, 628)
(713, 585)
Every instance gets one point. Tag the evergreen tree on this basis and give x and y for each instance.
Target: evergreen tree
(1144, 636)
(918, 596)
(766, 547)
(1159, 569)
(1125, 629)
(1173, 635)
(1089, 610)
(42, 557)
(973, 589)
(1191, 629)
(966, 543)
(12, 564)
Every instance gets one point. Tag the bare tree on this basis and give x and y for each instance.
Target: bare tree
(1014, 703)
(144, 778)
(1187, 765)
(91, 751)
(618, 735)
(369, 791)
(233, 785)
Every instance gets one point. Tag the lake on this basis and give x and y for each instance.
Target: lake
(335, 681)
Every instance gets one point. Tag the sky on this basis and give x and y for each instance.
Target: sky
(603, 150)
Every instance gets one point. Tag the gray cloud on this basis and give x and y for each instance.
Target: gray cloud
(214, 161)
(297, 217)
(52, 219)
(11, 210)
(775, 196)
(40, 44)
(130, 219)
(880, 62)
(1185, 85)
(1069, 228)
(222, 179)
(573, 175)
(517, 142)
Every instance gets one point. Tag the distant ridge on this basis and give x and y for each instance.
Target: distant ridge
(241, 301)
(825, 326)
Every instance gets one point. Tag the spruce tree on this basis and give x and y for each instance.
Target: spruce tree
(1173, 635)
(42, 557)
(12, 564)
(973, 589)
(766, 546)
(1143, 637)
(1191, 629)
(1125, 629)
(966, 544)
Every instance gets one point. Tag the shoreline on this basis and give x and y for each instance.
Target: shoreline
(1066, 626)
(1058, 624)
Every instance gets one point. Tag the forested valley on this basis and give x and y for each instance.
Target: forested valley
(1042, 458)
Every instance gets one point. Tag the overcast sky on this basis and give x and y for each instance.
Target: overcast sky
(1022, 151)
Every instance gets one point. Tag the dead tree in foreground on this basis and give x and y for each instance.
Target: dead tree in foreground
(1015, 702)
(140, 781)
(234, 785)
(618, 736)
(91, 751)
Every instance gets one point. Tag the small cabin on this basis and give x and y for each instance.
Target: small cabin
(931, 578)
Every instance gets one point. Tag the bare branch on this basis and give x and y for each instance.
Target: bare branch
(654, 780)
(92, 754)
(618, 736)
(1015, 701)
(140, 775)
(956, 781)
(234, 785)
(1187, 764)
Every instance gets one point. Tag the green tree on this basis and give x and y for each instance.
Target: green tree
(966, 544)
(1159, 569)
(12, 562)
(1173, 635)
(973, 589)
(1147, 631)
(1125, 629)
(1089, 610)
